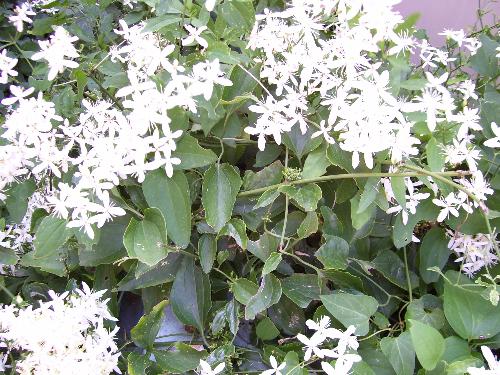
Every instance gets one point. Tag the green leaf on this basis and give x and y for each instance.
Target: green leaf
(288, 317)
(351, 309)
(428, 344)
(399, 188)
(369, 194)
(359, 219)
(146, 330)
(428, 310)
(435, 155)
(267, 176)
(433, 252)
(266, 330)
(221, 184)
(238, 14)
(400, 353)
(207, 249)
(334, 253)
(180, 360)
(236, 229)
(50, 236)
(171, 197)
(302, 289)
(392, 267)
(161, 273)
(414, 84)
(301, 144)
(271, 263)
(8, 257)
(268, 294)
(190, 296)
(192, 155)
(306, 197)
(243, 290)
(485, 61)
(309, 225)
(157, 23)
(331, 224)
(17, 199)
(137, 364)
(467, 312)
(268, 197)
(146, 240)
(316, 163)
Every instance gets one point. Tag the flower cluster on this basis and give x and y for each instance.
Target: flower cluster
(64, 333)
(55, 50)
(413, 198)
(474, 251)
(106, 144)
(345, 341)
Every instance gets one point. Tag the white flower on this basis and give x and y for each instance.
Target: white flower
(494, 142)
(493, 364)
(210, 4)
(275, 368)
(343, 365)
(64, 333)
(205, 369)
(130, 3)
(55, 51)
(324, 131)
(272, 121)
(449, 205)
(468, 119)
(474, 251)
(17, 94)
(312, 345)
(194, 36)
(20, 16)
(6, 67)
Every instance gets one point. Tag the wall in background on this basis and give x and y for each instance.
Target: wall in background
(436, 15)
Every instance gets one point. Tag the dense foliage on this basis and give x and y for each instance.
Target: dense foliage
(307, 186)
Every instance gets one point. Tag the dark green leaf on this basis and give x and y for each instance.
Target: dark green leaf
(268, 294)
(334, 253)
(302, 289)
(207, 249)
(221, 184)
(137, 364)
(190, 295)
(433, 252)
(181, 359)
(266, 330)
(171, 197)
(351, 309)
(271, 263)
(17, 199)
(306, 197)
(243, 290)
(236, 229)
(309, 225)
(393, 268)
(146, 330)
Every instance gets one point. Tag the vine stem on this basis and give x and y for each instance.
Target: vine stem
(249, 193)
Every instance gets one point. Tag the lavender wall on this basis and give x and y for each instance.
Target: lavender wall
(436, 15)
